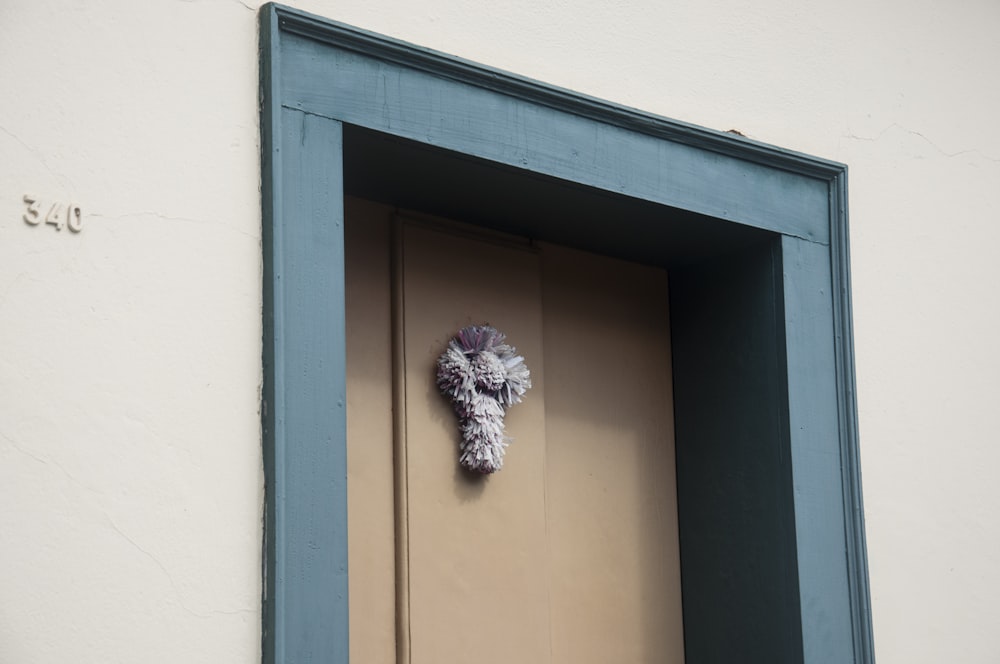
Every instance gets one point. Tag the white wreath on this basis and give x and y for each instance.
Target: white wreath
(483, 377)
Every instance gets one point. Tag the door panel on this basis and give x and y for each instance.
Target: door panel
(370, 505)
(611, 496)
(569, 553)
(477, 545)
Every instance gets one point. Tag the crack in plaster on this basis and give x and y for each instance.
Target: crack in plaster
(238, 2)
(46, 461)
(37, 154)
(52, 463)
(18, 448)
(9, 287)
(873, 139)
(170, 578)
(159, 216)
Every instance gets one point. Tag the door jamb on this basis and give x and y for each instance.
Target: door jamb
(313, 82)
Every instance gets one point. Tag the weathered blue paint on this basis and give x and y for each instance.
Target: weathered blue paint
(421, 106)
(273, 628)
(304, 400)
(816, 451)
(741, 581)
(788, 488)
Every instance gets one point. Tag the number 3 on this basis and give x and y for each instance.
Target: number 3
(31, 215)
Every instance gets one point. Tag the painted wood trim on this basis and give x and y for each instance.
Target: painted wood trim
(304, 394)
(317, 28)
(739, 553)
(816, 453)
(281, 26)
(843, 347)
(360, 90)
(399, 448)
(273, 618)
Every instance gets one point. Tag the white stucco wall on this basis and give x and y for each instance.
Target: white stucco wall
(130, 471)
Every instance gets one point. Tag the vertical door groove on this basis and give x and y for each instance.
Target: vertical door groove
(399, 447)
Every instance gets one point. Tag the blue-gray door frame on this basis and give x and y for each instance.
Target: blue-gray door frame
(772, 537)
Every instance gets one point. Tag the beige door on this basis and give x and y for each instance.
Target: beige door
(569, 554)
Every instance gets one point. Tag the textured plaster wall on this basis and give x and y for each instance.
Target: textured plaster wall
(130, 354)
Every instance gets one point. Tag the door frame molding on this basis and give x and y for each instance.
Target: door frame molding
(319, 76)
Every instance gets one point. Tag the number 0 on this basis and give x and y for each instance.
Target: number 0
(74, 218)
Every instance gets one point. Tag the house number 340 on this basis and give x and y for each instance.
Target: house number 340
(60, 215)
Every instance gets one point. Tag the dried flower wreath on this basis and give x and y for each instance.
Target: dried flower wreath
(483, 377)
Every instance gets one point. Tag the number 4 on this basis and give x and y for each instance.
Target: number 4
(54, 217)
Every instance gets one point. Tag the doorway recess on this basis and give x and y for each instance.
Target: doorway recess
(754, 239)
